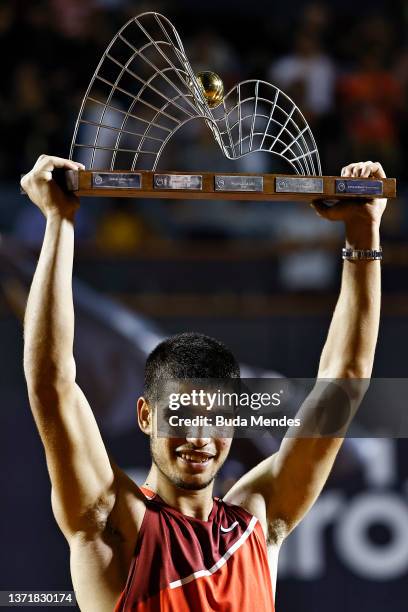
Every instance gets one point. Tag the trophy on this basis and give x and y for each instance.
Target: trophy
(144, 90)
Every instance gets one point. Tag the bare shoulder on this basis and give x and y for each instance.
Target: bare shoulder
(100, 558)
(250, 492)
(249, 500)
(118, 528)
(129, 509)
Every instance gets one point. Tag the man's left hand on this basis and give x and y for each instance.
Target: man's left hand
(356, 212)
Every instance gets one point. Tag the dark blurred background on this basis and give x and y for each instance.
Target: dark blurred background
(262, 277)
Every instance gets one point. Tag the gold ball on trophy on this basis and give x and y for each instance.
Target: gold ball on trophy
(212, 87)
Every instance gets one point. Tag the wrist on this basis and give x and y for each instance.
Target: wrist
(365, 236)
(55, 215)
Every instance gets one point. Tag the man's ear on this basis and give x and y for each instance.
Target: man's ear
(144, 416)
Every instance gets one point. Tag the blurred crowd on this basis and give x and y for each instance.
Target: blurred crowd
(346, 69)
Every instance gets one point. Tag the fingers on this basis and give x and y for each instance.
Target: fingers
(322, 210)
(352, 211)
(319, 208)
(378, 170)
(332, 213)
(364, 170)
(47, 163)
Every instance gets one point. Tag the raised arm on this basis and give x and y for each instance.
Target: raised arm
(83, 491)
(352, 338)
(290, 481)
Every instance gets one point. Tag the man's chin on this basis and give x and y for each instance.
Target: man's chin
(191, 484)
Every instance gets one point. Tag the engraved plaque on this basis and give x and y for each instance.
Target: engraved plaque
(286, 184)
(116, 180)
(359, 187)
(178, 181)
(238, 183)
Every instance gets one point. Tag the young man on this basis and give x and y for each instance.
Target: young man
(170, 545)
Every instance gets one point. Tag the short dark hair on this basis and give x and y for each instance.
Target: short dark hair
(188, 355)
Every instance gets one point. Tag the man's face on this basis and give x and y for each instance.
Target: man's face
(190, 462)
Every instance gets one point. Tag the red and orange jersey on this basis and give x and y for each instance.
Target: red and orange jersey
(184, 564)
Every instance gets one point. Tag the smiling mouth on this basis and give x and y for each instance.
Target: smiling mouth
(195, 458)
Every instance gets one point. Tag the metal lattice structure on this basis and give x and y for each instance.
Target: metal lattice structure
(144, 90)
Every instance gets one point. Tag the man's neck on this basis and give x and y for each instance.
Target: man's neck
(195, 503)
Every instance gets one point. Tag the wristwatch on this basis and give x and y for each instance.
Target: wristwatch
(358, 254)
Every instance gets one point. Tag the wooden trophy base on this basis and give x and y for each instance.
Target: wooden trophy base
(231, 186)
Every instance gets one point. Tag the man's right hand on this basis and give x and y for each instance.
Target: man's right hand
(44, 191)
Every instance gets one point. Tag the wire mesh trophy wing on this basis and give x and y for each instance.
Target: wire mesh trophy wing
(144, 90)
(257, 116)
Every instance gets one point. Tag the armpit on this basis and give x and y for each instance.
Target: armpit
(277, 531)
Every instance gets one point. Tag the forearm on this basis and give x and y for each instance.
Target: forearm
(350, 345)
(49, 318)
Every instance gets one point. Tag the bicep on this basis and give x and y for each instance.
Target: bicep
(290, 481)
(283, 487)
(295, 477)
(82, 479)
(299, 470)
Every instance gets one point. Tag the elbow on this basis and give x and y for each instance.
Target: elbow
(48, 377)
(354, 380)
(352, 370)
(354, 386)
(357, 379)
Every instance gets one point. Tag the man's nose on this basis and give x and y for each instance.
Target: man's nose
(198, 440)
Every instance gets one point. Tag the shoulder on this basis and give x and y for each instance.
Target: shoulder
(250, 493)
(130, 506)
(249, 502)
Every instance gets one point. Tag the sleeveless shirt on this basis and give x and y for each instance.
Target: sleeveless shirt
(184, 564)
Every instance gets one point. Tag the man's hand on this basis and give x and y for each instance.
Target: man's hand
(43, 190)
(356, 212)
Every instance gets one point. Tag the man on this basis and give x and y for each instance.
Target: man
(170, 545)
